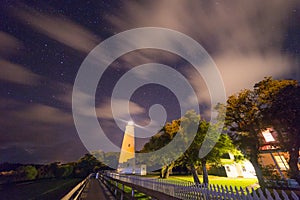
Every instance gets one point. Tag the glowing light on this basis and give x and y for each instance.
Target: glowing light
(268, 136)
(131, 123)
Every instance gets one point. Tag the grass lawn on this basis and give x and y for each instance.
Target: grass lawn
(41, 189)
(238, 182)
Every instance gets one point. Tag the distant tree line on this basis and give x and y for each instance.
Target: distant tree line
(80, 169)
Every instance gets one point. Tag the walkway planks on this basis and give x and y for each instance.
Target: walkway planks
(95, 190)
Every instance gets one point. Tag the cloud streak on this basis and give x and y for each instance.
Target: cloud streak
(39, 113)
(243, 37)
(120, 108)
(241, 71)
(59, 28)
(9, 44)
(18, 74)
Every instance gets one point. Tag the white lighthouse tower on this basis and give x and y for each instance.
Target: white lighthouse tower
(127, 154)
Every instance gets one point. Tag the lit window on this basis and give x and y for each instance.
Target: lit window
(244, 168)
(268, 136)
(281, 162)
(228, 168)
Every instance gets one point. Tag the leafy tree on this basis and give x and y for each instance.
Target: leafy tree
(284, 116)
(243, 127)
(68, 170)
(111, 159)
(244, 118)
(56, 170)
(190, 158)
(184, 129)
(27, 172)
(219, 144)
(223, 145)
(53, 169)
(86, 165)
(45, 172)
(99, 154)
(63, 171)
(165, 135)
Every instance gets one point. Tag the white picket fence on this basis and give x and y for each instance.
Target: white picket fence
(229, 193)
(190, 191)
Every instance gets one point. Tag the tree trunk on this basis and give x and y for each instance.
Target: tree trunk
(165, 171)
(204, 170)
(162, 171)
(258, 171)
(195, 174)
(293, 164)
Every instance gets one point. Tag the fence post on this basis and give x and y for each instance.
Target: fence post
(248, 194)
(236, 192)
(277, 197)
(261, 194)
(116, 189)
(243, 196)
(294, 196)
(122, 192)
(254, 194)
(232, 195)
(218, 191)
(132, 193)
(285, 196)
(269, 196)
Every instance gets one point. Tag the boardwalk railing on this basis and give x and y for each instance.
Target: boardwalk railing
(76, 191)
(150, 187)
(182, 190)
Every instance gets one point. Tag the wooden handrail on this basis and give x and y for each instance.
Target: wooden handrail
(78, 188)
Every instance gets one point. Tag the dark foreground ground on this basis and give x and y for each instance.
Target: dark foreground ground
(42, 189)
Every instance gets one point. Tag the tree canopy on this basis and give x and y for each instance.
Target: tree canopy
(245, 117)
(284, 116)
(190, 158)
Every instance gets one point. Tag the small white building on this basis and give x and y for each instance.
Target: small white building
(141, 170)
(126, 168)
(243, 169)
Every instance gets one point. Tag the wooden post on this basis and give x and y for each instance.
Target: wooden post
(116, 189)
(122, 192)
(132, 193)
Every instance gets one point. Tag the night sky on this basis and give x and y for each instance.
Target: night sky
(42, 45)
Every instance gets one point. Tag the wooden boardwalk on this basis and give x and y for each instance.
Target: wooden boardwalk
(96, 190)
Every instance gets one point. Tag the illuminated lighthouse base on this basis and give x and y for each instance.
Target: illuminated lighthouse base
(127, 154)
